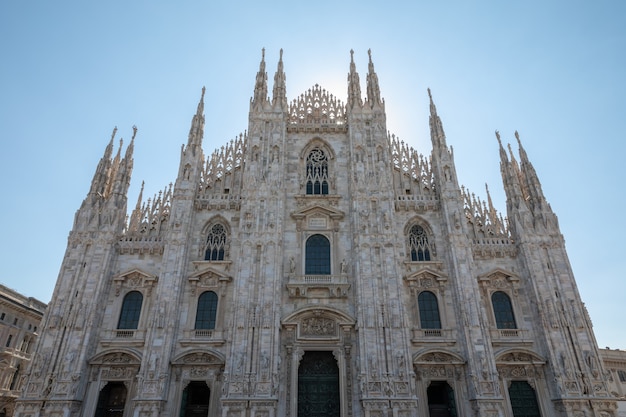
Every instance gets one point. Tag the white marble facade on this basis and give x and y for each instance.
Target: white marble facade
(316, 251)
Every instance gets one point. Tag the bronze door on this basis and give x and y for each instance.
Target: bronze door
(318, 385)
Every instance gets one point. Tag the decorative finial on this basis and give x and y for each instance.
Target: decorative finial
(134, 132)
(517, 137)
(498, 137)
(369, 53)
(203, 90)
(114, 132)
(351, 55)
(281, 54)
(262, 53)
(430, 96)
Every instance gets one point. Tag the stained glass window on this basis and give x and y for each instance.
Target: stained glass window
(317, 172)
(418, 244)
(215, 247)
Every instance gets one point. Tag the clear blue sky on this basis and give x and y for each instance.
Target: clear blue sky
(554, 70)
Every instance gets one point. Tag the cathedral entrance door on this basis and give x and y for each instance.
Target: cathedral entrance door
(523, 400)
(318, 385)
(112, 400)
(195, 401)
(441, 400)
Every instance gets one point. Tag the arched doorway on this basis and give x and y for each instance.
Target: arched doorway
(112, 400)
(523, 400)
(195, 402)
(441, 400)
(318, 385)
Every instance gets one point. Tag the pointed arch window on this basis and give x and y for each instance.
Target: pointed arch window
(131, 310)
(429, 310)
(206, 312)
(419, 246)
(215, 248)
(503, 310)
(317, 172)
(317, 255)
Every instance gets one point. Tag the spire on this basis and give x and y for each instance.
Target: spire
(373, 90)
(531, 180)
(196, 131)
(437, 134)
(279, 93)
(126, 165)
(518, 211)
(354, 85)
(98, 183)
(135, 216)
(260, 87)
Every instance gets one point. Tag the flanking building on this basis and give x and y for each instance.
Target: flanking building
(20, 321)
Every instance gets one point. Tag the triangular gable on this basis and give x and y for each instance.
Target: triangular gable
(209, 272)
(318, 210)
(426, 277)
(134, 278)
(498, 276)
(207, 277)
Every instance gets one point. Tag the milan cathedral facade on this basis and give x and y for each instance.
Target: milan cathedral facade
(315, 266)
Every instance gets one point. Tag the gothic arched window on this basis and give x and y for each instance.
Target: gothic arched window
(418, 244)
(206, 311)
(215, 247)
(503, 311)
(317, 256)
(317, 172)
(429, 310)
(131, 309)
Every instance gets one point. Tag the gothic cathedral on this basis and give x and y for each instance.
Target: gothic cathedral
(315, 266)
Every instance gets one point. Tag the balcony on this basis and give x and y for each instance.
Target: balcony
(439, 336)
(318, 286)
(125, 337)
(195, 337)
(518, 337)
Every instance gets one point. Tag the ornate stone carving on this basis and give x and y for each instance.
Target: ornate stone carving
(318, 327)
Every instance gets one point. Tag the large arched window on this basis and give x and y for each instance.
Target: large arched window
(418, 244)
(317, 172)
(206, 311)
(317, 256)
(429, 310)
(215, 247)
(131, 309)
(503, 311)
